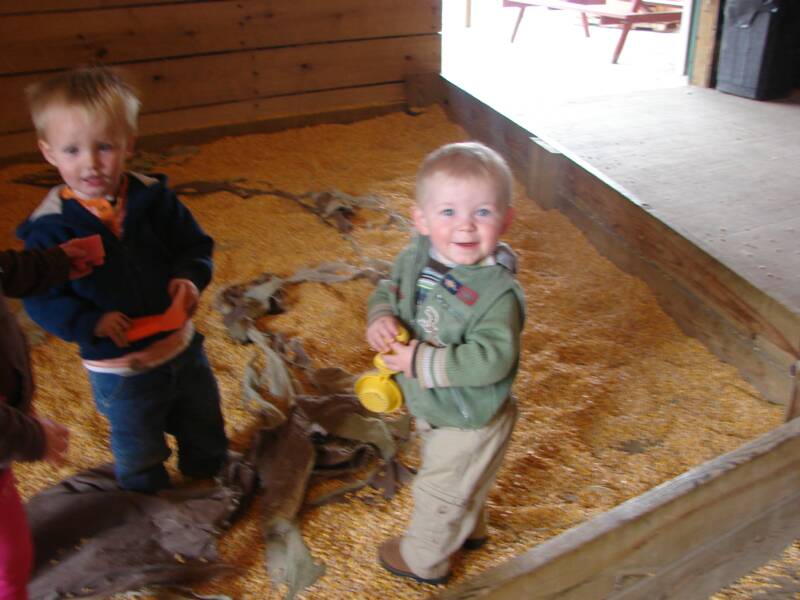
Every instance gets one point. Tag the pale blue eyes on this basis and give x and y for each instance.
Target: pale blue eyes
(75, 150)
(480, 213)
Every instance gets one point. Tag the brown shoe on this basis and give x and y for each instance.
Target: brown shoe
(391, 560)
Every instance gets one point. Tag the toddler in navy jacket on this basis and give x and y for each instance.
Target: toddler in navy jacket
(155, 254)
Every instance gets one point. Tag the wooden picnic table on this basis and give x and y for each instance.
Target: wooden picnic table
(609, 14)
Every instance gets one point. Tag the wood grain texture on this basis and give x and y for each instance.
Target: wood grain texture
(760, 362)
(685, 538)
(738, 204)
(221, 60)
(48, 41)
(737, 320)
(184, 83)
(486, 124)
(701, 71)
(544, 171)
(44, 6)
(199, 124)
(728, 293)
(302, 107)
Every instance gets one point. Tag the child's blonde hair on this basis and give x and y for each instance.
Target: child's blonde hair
(467, 159)
(97, 90)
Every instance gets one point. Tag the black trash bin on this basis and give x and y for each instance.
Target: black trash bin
(757, 50)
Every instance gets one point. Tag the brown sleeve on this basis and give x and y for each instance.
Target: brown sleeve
(21, 435)
(30, 272)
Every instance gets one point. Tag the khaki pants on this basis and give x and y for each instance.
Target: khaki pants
(458, 469)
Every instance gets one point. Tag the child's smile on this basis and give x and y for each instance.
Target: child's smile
(462, 216)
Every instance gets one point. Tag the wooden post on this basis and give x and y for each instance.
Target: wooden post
(545, 170)
(705, 50)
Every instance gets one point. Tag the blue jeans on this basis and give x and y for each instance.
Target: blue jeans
(181, 398)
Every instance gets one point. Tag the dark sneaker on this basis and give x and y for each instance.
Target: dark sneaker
(475, 543)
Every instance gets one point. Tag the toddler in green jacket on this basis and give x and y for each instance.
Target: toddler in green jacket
(453, 288)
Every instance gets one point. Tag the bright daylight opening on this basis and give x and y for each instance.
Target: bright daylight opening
(551, 60)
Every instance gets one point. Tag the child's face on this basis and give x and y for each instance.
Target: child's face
(89, 153)
(462, 216)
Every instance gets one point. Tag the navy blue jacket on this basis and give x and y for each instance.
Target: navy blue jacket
(160, 241)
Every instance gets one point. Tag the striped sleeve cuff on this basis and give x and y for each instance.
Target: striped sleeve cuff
(379, 310)
(429, 366)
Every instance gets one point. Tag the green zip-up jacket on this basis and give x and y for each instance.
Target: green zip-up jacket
(469, 328)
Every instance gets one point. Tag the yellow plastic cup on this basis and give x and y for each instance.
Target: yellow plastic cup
(376, 390)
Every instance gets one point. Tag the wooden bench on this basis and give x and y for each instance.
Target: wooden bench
(639, 13)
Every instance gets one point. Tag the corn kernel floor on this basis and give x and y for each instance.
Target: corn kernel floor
(614, 397)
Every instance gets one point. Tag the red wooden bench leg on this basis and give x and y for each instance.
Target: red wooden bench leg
(585, 21)
(626, 27)
(519, 20)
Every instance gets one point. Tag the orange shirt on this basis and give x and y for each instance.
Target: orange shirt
(110, 210)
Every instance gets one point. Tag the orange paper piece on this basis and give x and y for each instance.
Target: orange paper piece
(93, 245)
(173, 318)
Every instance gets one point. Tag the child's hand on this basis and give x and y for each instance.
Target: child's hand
(401, 357)
(78, 263)
(56, 440)
(191, 295)
(382, 332)
(114, 325)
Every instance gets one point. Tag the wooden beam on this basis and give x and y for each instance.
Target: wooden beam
(201, 124)
(747, 307)
(686, 538)
(489, 126)
(705, 50)
(424, 89)
(50, 41)
(761, 363)
(300, 108)
(198, 81)
(8, 7)
(738, 322)
(544, 172)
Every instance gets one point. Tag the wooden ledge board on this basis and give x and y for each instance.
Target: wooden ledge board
(685, 538)
(203, 124)
(739, 322)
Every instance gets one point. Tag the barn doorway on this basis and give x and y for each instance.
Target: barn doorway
(551, 61)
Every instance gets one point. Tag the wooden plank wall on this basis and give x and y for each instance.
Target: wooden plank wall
(212, 63)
